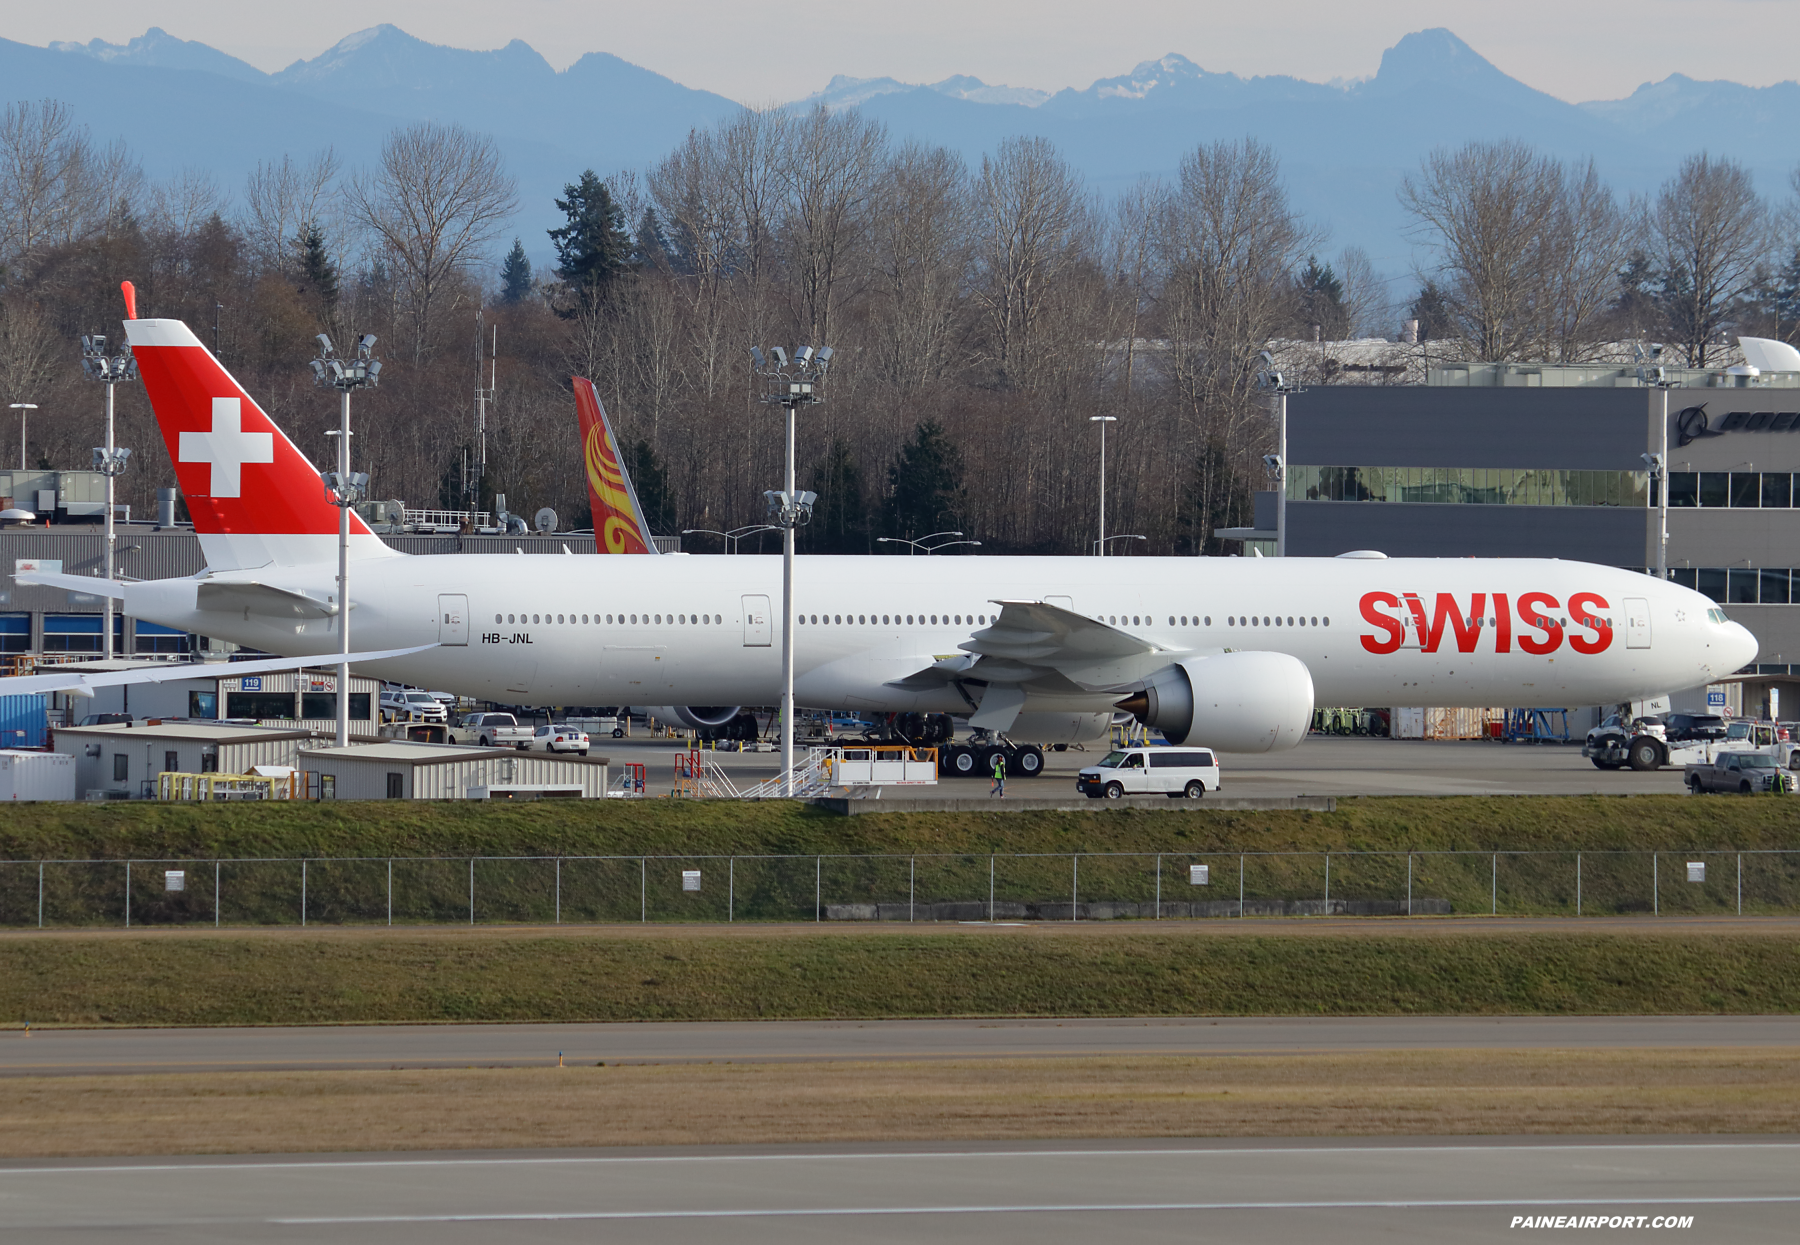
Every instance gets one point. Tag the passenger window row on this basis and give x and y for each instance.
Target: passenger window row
(680, 620)
(892, 620)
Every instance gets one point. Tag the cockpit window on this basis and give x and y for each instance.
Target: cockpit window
(1717, 616)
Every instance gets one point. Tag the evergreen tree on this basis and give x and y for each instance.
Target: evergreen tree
(927, 484)
(1786, 297)
(1220, 498)
(515, 275)
(651, 246)
(1432, 310)
(318, 275)
(1321, 300)
(593, 248)
(840, 522)
(651, 480)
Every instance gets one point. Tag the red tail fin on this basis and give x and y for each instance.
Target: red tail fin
(253, 496)
(618, 518)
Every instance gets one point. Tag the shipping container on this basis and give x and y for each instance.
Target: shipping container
(36, 775)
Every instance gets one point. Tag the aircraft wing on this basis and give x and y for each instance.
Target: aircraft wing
(1035, 648)
(83, 683)
(619, 525)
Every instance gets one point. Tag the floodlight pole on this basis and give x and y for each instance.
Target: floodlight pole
(344, 491)
(343, 576)
(1281, 398)
(1662, 489)
(109, 370)
(790, 387)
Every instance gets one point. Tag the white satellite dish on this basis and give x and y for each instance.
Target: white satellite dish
(544, 520)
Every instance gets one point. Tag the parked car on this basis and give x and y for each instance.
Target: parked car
(1681, 728)
(1174, 772)
(559, 737)
(491, 730)
(417, 706)
(1747, 773)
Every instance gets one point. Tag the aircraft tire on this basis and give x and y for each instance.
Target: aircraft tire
(1026, 762)
(1645, 755)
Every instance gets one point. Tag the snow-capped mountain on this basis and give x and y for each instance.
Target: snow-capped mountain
(1344, 145)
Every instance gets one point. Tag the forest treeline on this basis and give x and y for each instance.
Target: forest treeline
(981, 314)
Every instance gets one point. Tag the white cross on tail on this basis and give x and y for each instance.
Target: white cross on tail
(226, 448)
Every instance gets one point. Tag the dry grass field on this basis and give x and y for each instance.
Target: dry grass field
(1379, 1093)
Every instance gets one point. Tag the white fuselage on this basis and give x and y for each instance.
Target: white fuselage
(584, 630)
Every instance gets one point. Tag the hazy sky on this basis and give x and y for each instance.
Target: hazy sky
(784, 49)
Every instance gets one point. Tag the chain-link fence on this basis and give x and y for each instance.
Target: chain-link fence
(1084, 886)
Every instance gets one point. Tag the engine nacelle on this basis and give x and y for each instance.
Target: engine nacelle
(1060, 728)
(1235, 702)
(694, 717)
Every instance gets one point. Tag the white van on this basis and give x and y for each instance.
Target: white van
(1174, 772)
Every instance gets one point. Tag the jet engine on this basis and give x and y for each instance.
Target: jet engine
(1235, 702)
(694, 717)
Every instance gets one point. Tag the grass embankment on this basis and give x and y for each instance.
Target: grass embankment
(366, 977)
(671, 827)
(1385, 1092)
(431, 843)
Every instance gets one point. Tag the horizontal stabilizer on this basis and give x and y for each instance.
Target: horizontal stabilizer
(89, 584)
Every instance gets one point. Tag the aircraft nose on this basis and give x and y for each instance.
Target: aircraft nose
(1742, 646)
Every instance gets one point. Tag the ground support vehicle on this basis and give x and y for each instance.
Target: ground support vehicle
(1175, 772)
(492, 730)
(1746, 773)
(408, 704)
(1620, 741)
(559, 737)
(975, 759)
(1653, 741)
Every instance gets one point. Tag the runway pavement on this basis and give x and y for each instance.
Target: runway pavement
(1739, 1190)
(76, 1051)
(1322, 765)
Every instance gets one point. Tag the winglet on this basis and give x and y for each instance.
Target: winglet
(130, 291)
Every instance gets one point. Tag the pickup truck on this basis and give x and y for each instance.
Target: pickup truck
(1747, 773)
(491, 730)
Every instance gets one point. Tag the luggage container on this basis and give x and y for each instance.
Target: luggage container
(36, 775)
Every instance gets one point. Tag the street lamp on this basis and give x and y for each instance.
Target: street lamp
(789, 385)
(345, 488)
(1651, 372)
(915, 545)
(1276, 464)
(109, 459)
(734, 537)
(21, 408)
(1101, 544)
(1102, 420)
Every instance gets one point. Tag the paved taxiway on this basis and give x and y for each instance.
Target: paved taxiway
(78, 1051)
(1322, 765)
(1380, 1190)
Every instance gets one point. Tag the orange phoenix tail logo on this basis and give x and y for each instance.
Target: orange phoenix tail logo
(618, 518)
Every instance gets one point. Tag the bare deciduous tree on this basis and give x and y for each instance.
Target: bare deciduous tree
(1709, 230)
(1032, 221)
(438, 196)
(284, 199)
(828, 168)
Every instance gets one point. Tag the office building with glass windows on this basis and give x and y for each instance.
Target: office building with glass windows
(1549, 462)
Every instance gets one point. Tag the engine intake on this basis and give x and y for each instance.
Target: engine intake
(1235, 702)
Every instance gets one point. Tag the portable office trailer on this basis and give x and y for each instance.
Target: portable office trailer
(409, 771)
(36, 776)
(122, 761)
(295, 699)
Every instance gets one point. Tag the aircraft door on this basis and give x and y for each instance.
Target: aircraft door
(756, 622)
(453, 619)
(1637, 622)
